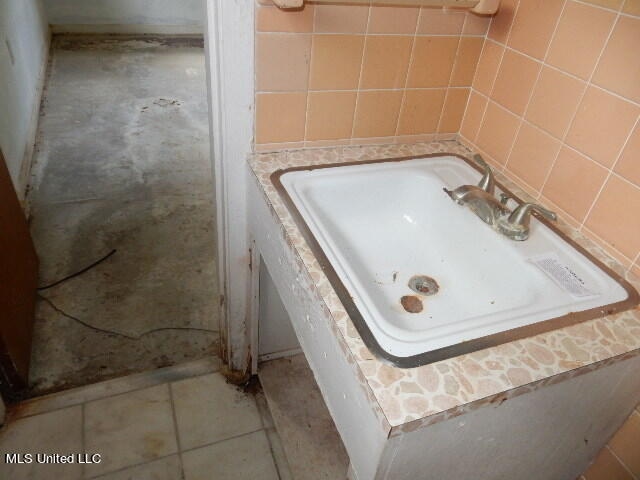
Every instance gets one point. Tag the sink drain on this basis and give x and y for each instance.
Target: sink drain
(424, 285)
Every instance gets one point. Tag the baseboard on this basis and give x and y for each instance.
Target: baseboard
(130, 29)
(27, 159)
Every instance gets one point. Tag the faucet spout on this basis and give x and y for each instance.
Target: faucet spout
(487, 182)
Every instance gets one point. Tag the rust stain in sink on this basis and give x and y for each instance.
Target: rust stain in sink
(412, 304)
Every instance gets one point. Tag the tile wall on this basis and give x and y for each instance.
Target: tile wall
(342, 74)
(619, 460)
(555, 102)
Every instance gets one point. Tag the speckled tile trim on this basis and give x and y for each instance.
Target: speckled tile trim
(413, 398)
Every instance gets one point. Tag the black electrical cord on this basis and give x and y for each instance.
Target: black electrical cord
(78, 273)
(118, 334)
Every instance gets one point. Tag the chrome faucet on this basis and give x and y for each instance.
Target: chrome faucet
(481, 200)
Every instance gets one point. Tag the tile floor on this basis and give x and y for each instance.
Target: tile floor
(181, 422)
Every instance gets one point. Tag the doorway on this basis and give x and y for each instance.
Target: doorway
(122, 183)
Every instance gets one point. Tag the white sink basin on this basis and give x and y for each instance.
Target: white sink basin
(375, 225)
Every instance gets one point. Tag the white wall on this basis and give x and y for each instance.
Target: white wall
(24, 44)
(176, 16)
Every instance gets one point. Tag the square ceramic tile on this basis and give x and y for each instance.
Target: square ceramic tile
(131, 428)
(628, 166)
(280, 117)
(487, 68)
(432, 62)
(377, 113)
(579, 39)
(554, 101)
(208, 409)
(330, 115)
(282, 61)
(247, 457)
(391, 19)
(615, 217)
(473, 116)
(515, 80)
(625, 443)
(601, 125)
(341, 18)
(386, 60)
(533, 26)
(466, 61)
(568, 167)
(54, 432)
(421, 111)
(440, 21)
(501, 23)
(455, 103)
(498, 132)
(167, 468)
(336, 62)
(619, 67)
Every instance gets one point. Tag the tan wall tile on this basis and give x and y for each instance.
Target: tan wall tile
(606, 467)
(454, 105)
(432, 63)
(533, 26)
(498, 132)
(619, 67)
(439, 21)
(625, 444)
(476, 24)
(282, 61)
(581, 34)
(629, 164)
(602, 125)
(632, 7)
(473, 116)
(613, 4)
(330, 115)
(533, 154)
(273, 19)
(501, 23)
(554, 101)
(615, 216)
(336, 62)
(386, 19)
(421, 111)
(386, 61)
(569, 166)
(377, 113)
(515, 81)
(280, 117)
(488, 67)
(341, 18)
(466, 61)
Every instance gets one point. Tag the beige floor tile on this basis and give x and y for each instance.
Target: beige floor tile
(167, 468)
(208, 410)
(129, 429)
(55, 432)
(312, 444)
(247, 457)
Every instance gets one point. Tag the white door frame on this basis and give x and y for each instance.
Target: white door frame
(229, 47)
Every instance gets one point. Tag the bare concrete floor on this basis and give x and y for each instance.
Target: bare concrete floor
(122, 163)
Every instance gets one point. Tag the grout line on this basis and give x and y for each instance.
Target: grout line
(109, 395)
(176, 430)
(446, 93)
(406, 80)
(624, 465)
(362, 34)
(575, 114)
(310, 69)
(600, 7)
(398, 89)
(364, 51)
(533, 89)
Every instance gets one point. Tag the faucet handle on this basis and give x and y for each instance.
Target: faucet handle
(516, 226)
(487, 182)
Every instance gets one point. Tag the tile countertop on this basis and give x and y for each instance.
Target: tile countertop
(409, 399)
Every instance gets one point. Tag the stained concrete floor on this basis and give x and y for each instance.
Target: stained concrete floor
(312, 444)
(122, 163)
